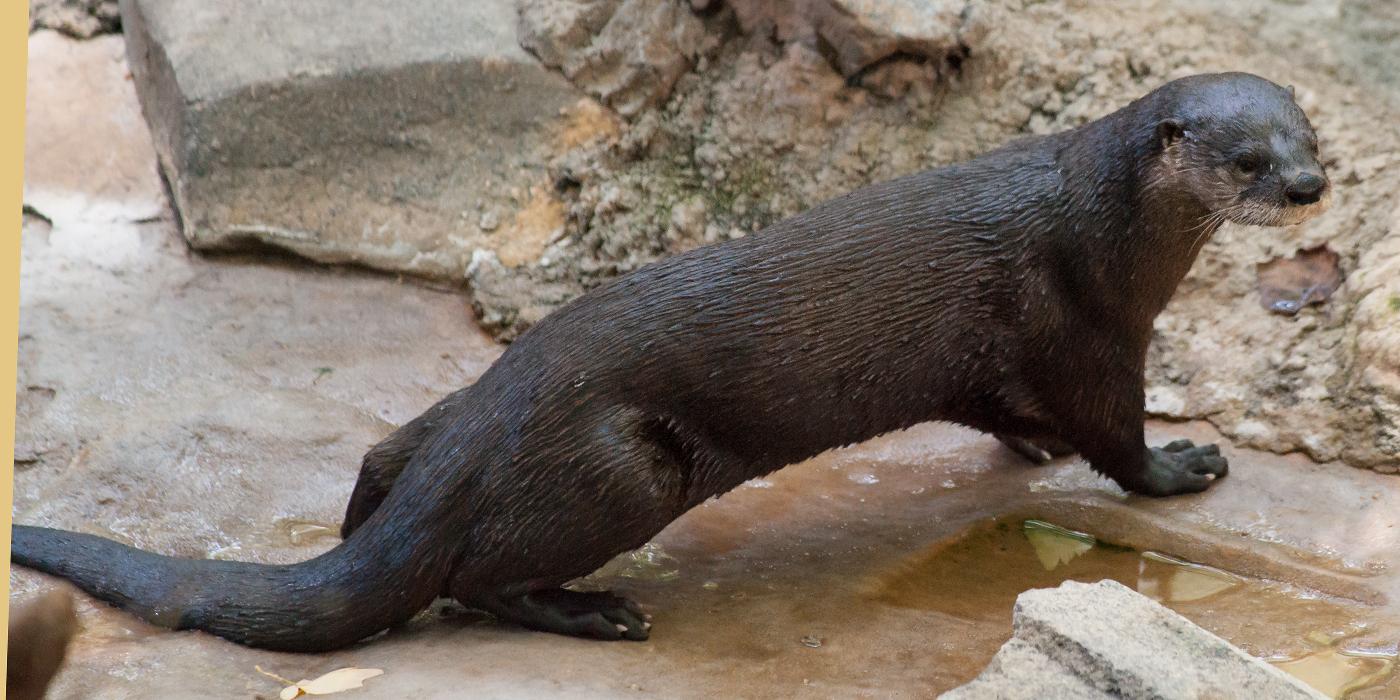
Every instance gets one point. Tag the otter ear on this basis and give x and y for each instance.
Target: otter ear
(1169, 131)
(1292, 94)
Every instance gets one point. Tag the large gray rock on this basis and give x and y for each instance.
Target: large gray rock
(1083, 641)
(403, 136)
(803, 100)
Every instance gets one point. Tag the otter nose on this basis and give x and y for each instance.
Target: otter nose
(1305, 189)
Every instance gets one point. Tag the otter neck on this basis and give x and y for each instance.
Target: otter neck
(1152, 234)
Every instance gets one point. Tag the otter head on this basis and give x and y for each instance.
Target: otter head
(1243, 148)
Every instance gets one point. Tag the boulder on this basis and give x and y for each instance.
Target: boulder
(1102, 640)
(392, 135)
(857, 35)
(627, 53)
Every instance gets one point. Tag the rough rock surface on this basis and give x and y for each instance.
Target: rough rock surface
(259, 355)
(401, 136)
(218, 405)
(81, 19)
(857, 35)
(688, 123)
(627, 53)
(1102, 640)
(799, 101)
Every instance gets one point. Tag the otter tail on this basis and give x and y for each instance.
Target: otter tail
(378, 578)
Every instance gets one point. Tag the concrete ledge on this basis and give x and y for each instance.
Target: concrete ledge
(1102, 640)
(385, 134)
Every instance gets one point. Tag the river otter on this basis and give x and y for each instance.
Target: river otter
(1013, 293)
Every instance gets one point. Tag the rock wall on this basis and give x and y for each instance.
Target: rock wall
(538, 159)
(735, 114)
(80, 19)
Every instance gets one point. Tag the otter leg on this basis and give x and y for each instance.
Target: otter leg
(1177, 468)
(593, 614)
(628, 477)
(378, 472)
(1037, 450)
(1104, 420)
(384, 462)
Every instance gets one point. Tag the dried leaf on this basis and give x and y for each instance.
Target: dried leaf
(333, 682)
(1286, 285)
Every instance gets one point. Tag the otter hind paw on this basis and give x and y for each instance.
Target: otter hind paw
(596, 615)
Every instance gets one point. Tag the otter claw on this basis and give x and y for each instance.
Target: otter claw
(1179, 445)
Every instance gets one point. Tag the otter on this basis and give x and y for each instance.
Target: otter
(1013, 293)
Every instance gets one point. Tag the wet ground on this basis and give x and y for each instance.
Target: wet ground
(218, 408)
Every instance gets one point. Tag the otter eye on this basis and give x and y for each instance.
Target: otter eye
(1247, 163)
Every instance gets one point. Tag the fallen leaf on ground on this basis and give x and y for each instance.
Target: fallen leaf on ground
(333, 682)
(1286, 285)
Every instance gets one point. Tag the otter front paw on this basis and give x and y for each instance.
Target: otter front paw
(1182, 467)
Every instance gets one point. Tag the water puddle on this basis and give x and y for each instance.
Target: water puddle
(649, 563)
(285, 533)
(300, 532)
(977, 577)
(1339, 672)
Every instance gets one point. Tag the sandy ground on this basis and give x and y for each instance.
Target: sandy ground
(218, 408)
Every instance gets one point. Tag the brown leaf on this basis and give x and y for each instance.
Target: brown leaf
(333, 682)
(1286, 285)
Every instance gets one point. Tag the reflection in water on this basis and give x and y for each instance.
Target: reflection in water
(1168, 579)
(647, 563)
(300, 532)
(1338, 672)
(1055, 545)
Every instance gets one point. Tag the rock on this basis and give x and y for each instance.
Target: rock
(80, 19)
(488, 221)
(859, 34)
(506, 303)
(688, 218)
(1376, 343)
(1102, 640)
(346, 131)
(627, 53)
(802, 100)
(1020, 671)
(749, 112)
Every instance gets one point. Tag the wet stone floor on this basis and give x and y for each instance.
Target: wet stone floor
(218, 407)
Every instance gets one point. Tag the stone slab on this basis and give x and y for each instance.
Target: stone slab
(1103, 640)
(391, 135)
